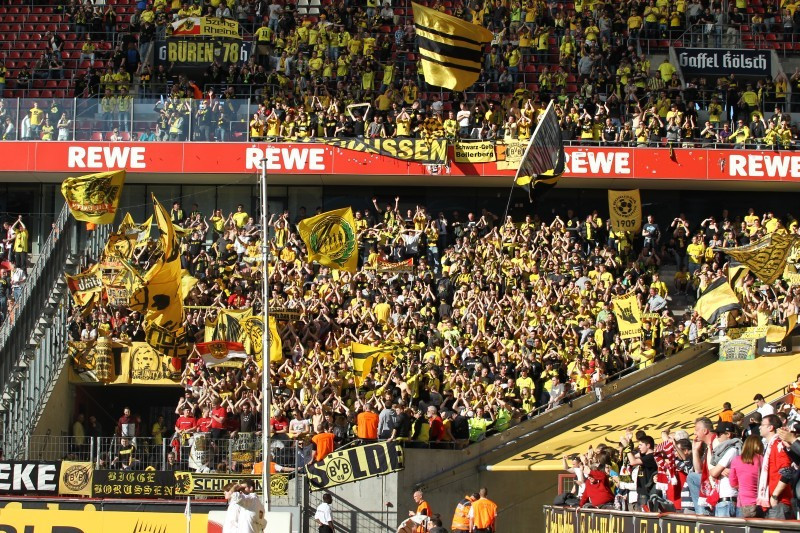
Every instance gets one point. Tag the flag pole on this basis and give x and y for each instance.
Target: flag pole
(266, 402)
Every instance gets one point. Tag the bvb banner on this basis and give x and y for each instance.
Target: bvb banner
(628, 315)
(425, 151)
(354, 464)
(474, 152)
(133, 484)
(110, 363)
(625, 208)
(75, 478)
(94, 197)
(509, 154)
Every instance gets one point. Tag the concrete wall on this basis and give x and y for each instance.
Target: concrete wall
(56, 417)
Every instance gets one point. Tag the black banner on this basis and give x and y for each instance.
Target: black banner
(194, 56)
(194, 484)
(37, 478)
(354, 464)
(721, 62)
(133, 484)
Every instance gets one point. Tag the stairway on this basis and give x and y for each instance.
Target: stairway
(33, 346)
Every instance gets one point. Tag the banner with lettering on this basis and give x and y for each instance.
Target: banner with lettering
(425, 151)
(354, 464)
(213, 484)
(723, 62)
(474, 152)
(36, 478)
(737, 350)
(117, 363)
(628, 315)
(205, 27)
(133, 484)
(190, 55)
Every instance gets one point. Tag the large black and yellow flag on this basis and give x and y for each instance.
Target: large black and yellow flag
(544, 159)
(364, 358)
(628, 315)
(451, 49)
(625, 210)
(737, 273)
(331, 239)
(718, 298)
(94, 197)
(159, 293)
(766, 258)
(129, 236)
(425, 151)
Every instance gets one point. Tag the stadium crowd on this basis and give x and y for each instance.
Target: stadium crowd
(308, 68)
(737, 465)
(498, 320)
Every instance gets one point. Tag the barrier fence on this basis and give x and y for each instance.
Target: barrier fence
(571, 520)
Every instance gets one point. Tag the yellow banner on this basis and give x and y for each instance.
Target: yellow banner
(625, 208)
(118, 296)
(148, 367)
(130, 235)
(331, 239)
(206, 27)
(509, 154)
(275, 342)
(737, 350)
(629, 316)
(474, 152)
(75, 478)
(24, 516)
(354, 464)
(94, 197)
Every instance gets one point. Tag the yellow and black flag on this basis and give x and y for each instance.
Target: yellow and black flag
(159, 294)
(544, 159)
(331, 239)
(451, 49)
(628, 315)
(718, 298)
(364, 358)
(766, 258)
(94, 197)
(737, 273)
(625, 210)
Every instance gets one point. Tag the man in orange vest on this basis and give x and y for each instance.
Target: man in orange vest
(461, 514)
(482, 514)
(422, 509)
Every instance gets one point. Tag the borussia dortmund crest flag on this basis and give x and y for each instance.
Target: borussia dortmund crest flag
(451, 49)
(629, 316)
(766, 258)
(331, 239)
(94, 197)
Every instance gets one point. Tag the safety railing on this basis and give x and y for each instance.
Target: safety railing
(33, 342)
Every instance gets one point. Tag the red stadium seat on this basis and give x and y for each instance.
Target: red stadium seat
(125, 136)
(97, 136)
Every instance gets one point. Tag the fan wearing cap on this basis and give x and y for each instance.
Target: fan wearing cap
(726, 446)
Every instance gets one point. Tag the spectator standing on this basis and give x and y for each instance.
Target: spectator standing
(483, 513)
(765, 409)
(774, 495)
(727, 446)
(745, 471)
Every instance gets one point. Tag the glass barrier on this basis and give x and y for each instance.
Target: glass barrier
(44, 119)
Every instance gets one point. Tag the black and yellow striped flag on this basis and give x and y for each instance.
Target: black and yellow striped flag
(364, 358)
(451, 49)
(766, 258)
(718, 298)
(544, 159)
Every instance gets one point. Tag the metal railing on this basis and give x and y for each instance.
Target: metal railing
(33, 342)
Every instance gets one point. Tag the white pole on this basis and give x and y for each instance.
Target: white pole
(265, 356)
(188, 513)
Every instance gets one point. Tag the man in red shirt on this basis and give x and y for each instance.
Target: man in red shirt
(279, 424)
(436, 431)
(186, 423)
(774, 495)
(204, 422)
(218, 419)
(596, 488)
